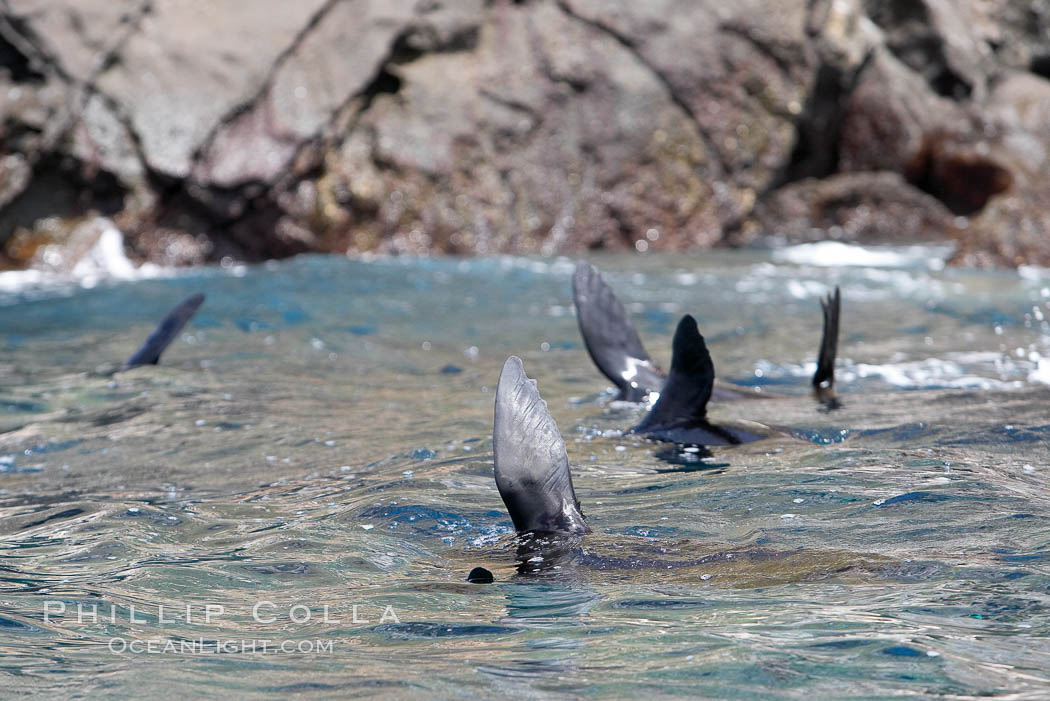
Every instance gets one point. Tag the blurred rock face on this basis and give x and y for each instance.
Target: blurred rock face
(207, 130)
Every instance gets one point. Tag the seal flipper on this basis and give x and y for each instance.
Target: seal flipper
(683, 400)
(165, 332)
(532, 467)
(680, 414)
(610, 338)
(824, 377)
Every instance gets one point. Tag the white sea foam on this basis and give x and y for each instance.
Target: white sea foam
(1041, 372)
(968, 370)
(837, 254)
(1033, 273)
(104, 261)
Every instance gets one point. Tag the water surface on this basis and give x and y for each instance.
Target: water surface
(320, 435)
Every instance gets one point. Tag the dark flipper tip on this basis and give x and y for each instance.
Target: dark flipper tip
(683, 400)
(166, 331)
(480, 575)
(610, 337)
(824, 377)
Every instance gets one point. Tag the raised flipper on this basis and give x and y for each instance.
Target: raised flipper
(824, 377)
(610, 338)
(532, 467)
(680, 414)
(165, 332)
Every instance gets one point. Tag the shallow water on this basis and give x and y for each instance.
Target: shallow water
(321, 436)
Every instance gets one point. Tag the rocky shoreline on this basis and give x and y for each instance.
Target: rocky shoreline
(540, 126)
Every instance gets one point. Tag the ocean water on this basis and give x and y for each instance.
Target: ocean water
(290, 503)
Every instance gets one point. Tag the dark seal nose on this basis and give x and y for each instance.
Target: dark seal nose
(479, 575)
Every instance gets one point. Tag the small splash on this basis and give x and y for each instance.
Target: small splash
(825, 436)
(104, 260)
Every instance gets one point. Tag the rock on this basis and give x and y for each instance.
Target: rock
(1013, 226)
(78, 38)
(326, 67)
(1013, 230)
(1020, 105)
(937, 40)
(876, 207)
(1018, 31)
(15, 174)
(556, 138)
(889, 117)
(963, 173)
(539, 126)
(189, 66)
(101, 140)
(741, 70)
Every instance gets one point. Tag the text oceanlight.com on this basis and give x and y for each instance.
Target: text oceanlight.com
(200, 646)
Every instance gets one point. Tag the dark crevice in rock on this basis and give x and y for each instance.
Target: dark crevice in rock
(21, 37)
(511, 104)
(62, 187)
(911, 37)
(404, 49)
(960, 178)
(949, 84)
(424, 38)
(109, 57)
(672, 93)
(21, 66)
(241, 223)
(19, 137)
(1040, 65)
(383, 83)
(309, 153)
(817, 12)
(624, 230)
(244, 221)
(507, 141)
(819, 126)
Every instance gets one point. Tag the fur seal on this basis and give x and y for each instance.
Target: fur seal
(165, 333)
(614, 346)
(533, 477)
(680, 414)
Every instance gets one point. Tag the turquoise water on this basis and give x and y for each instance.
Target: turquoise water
(320, 436)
